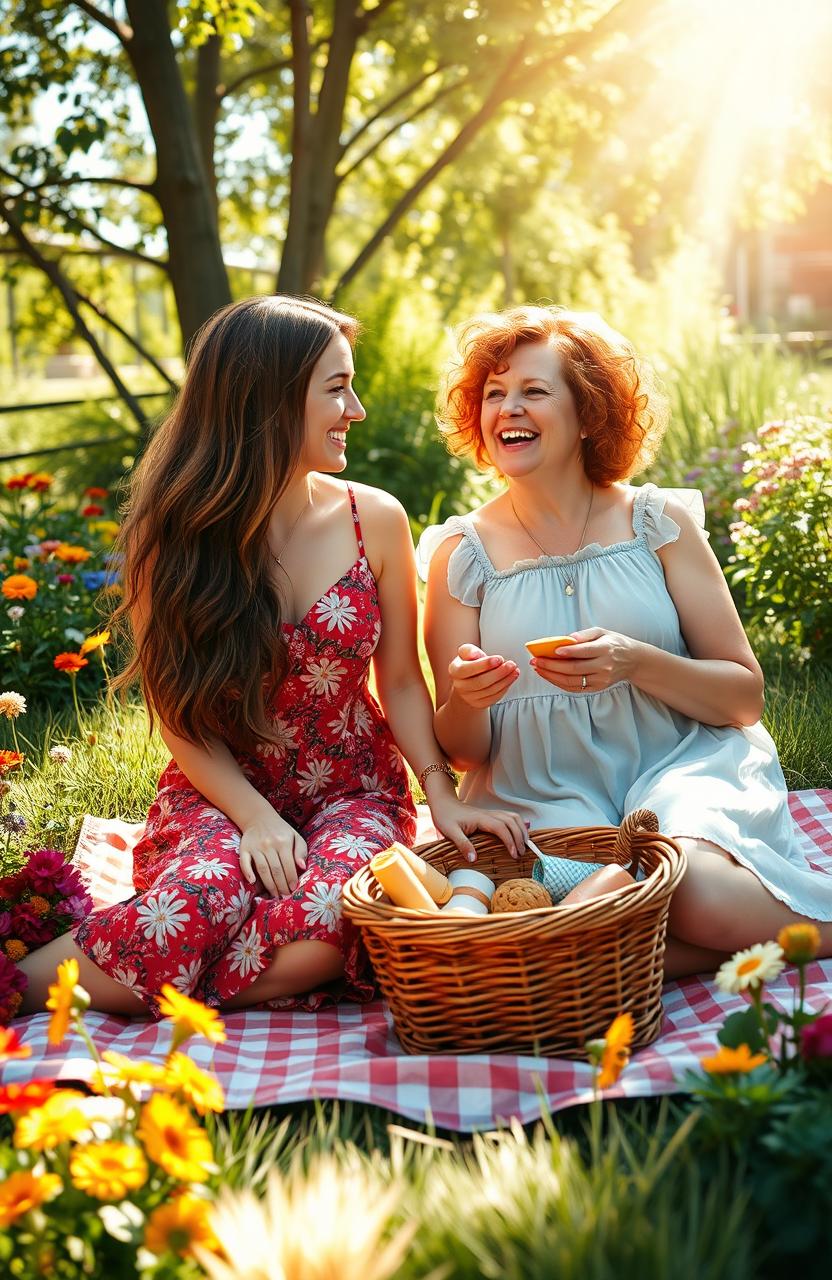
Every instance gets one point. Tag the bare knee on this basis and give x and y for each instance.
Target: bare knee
(296, 968)
(106, 995)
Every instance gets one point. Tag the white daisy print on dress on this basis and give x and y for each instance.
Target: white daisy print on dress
(362, 724)
(239, 907)
(353, 845)
(336, 611)
(341, 724)
(161, 915)
(369, 782)
(101, 951)
(211, 868)
(186, 979)
(384, 827)
(324, 676)
(315, 778)
(247, 952)
(286, 739)
(323, 905)
(127, 977)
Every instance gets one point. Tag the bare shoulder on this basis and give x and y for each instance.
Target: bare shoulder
(378, 508)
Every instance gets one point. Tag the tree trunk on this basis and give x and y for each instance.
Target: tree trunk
(197, 272)
(206, 109)
(290, 276)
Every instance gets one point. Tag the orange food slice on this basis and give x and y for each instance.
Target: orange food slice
(545, 646)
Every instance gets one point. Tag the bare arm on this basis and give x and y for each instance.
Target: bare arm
(468, 681)
(401, 686)
(719, 684)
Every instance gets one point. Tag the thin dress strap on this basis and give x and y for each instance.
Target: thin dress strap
(359, 539)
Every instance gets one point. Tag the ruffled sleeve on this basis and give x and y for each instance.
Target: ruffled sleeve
(467, 566)
(649, 515)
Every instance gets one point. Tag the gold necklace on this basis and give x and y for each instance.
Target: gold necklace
(568, 586)
(278, 559)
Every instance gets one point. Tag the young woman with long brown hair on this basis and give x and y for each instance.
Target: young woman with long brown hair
(260, 589)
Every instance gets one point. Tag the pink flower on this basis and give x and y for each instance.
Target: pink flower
(78, 907)
(65, 579)
(12, 983)
(50, 545)
(43, 868)
(29, 927)
(5, 924)
(816, 1038)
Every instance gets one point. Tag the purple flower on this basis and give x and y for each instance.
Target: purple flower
(68, 882)
(5, 923)
(78, 907)
(13, 822)
(693, 474)
(43, 867)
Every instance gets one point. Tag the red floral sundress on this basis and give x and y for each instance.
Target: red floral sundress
(334, 773)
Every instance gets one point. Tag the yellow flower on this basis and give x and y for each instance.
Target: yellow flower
(71, 554)
(23, 1191)
(108, 1170)
(750, 968)
(173, 1139)
(616, 1052)
(95, 642)
(107, 528)
(60, 1119)
(178, 1226)
(20, 563)
(201, 1090)
(189, 1017)
(124, 1071)
(64, 996)
(800, 942)
(728, 1061)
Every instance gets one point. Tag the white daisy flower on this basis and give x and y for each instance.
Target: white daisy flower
(210, 868)
(336, 611)
(162, 915)
(351, 844)
(285, 740)
(362, 724)
(239, 907)
(101, 951)
(315, 778)
(369, 781)
(247, 951)
(383, 827)
(324, 904)
(324, 677)
(127, 977)
(751, 968)
(186, 978)
(341, 724)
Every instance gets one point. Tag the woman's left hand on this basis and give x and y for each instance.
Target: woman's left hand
(598, 659)
(456, 820)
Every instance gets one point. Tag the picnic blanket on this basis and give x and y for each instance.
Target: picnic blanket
(351, 1051)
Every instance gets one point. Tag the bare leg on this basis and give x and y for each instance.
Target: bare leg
(106, 995)
(682, 959)
(296, 967)
(723, 906)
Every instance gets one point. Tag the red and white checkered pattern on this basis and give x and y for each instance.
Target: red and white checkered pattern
(351, 1052)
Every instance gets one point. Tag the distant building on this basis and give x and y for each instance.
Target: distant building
(782, 274)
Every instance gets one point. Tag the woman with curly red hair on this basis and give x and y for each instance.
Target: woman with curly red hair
(654, 699)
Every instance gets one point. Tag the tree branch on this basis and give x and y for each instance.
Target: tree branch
(120, 30)
(128, 337)
(394, 128)
(102, 181)
(499, 92)
(366, 16)
(279, 64)
(390, 104)
(70, 297)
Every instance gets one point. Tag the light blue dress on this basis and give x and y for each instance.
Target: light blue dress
(586, 759)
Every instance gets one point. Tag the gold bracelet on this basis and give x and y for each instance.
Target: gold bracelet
(439, 766)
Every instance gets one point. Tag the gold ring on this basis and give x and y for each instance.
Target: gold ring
(583, 682)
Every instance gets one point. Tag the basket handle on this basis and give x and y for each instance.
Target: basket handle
(624, 850)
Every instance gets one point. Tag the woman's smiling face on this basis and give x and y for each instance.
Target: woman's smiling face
(528, 417)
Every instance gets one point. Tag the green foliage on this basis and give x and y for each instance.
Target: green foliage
(782, 536)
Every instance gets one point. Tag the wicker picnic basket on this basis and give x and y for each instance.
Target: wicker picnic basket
(541, 982)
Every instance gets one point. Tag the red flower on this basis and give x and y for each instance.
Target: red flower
(816, 1038)
(70, 662)
(29, 927)
(18, 482)
(11, 1047)
(65, 579)
(10, 760)
(95, 492)
(25, 1097)
(92, 510)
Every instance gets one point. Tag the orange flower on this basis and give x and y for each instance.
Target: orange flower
(71, 662)
(20, 1098)
(39, 482)
(616, 1052)
(800, 942)
(23, 1191)
(70, 554)
(15, 949)
(10, 760)
(732, 1061)
(95, 491)
(19, 587)
(11, 1047)
(20, 563)
(18, 482)
(65, 996)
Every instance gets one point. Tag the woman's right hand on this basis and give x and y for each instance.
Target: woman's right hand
(481, 679)
(274, 852)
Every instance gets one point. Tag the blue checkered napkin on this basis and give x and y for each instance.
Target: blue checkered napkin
(559, 875)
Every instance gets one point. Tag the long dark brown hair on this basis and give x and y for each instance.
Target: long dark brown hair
(195, 536)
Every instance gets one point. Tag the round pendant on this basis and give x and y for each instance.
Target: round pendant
(569, 589)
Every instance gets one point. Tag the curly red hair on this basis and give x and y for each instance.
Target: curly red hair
(617, 402)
